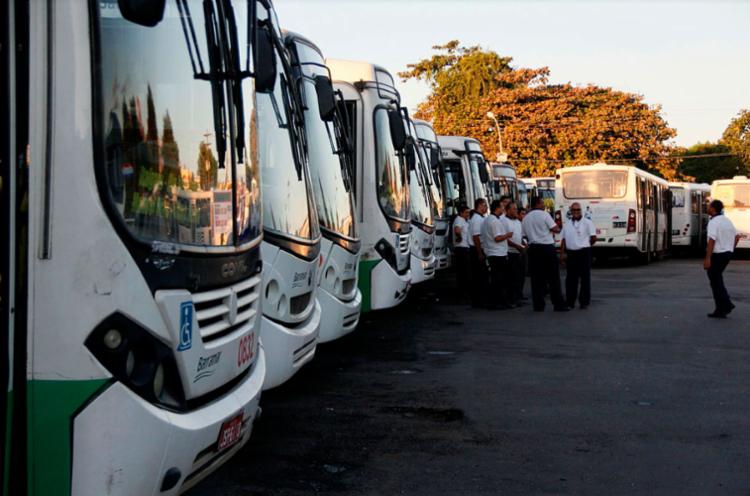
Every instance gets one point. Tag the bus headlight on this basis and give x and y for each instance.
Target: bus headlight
(139, 360)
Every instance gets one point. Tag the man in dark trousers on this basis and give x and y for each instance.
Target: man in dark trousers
(516, 250)
(539, 226)
(477, 261)
(578, 235)
(495, 245)
(461, 236)
(722, 240)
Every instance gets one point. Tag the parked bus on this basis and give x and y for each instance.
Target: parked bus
(291, 240)
(504, 182)
(381, 185)
(429, 142)
(629, 207)
(466, 172)
(543, 187)
(423, 209)
(524, 194)
(330, 170)
(130, 311)
(689, 214)
(735, 194)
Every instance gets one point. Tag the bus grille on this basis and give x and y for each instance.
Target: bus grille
(403, 243)
(214, 312)
(298, 304)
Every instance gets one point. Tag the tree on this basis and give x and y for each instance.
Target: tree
(170, 153)
(708, 168)
(737, 137)
(544, 126)
(208, 167)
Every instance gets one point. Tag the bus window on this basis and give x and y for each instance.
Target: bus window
(678, 197)
(695, 204)
(595, 184)
(733, 195)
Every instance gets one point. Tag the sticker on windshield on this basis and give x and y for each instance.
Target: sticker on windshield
(186, 326)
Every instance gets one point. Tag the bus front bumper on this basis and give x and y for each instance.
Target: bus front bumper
(387, 287)
(123, 445)
(422, 269)
(338, 317)
(288, 348)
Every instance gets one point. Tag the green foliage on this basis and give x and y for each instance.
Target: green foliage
(707, 169)
(737, 136)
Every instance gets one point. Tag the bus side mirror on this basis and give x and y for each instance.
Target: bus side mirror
(398, 131)
(143, 12)
(484, 176)
(411, 156)
(434, 158)
(265, 61)
(326, 100)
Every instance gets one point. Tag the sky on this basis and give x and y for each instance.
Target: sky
(690, 57)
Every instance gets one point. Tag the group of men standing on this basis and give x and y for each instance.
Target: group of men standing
(492, 251)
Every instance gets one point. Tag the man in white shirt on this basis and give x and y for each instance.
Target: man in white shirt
(543, 264)
(495, 242)
(477, 261)
(722, 240)
(516, 249)
(578, 235)
(461, 238)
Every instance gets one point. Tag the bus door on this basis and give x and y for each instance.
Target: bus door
(668, 209)
(643, 208)
(656, 199)
(5, 248)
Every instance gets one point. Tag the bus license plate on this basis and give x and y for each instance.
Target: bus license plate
(230, 433)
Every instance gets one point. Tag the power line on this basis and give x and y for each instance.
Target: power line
(666, 157)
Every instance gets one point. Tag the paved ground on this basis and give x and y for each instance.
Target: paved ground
(641, 393)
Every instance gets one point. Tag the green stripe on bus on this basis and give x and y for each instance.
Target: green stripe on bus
(52, 405)
(365, 282)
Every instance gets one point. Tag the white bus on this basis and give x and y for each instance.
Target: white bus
(291, 240)
(629, 207)
(381, 184)
(130, 352)
(423, 209)
(466, 172)
(330, 170)
(504, 182)
(689, 214)
(735, 194)
(429, 142)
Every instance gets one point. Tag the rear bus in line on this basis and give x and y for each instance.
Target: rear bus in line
(629, 207)
(381, 180)
(291, 232)
(504, 182)
(735, 194)
(428, 140)
(689, 215)
(131, 268)
(466, 172)
(329, 154)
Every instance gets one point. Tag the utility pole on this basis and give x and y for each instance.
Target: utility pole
(501, 156)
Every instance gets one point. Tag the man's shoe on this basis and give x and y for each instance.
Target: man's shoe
(584, 307)
(537, 309)
(717, 315)
(729, 310)
(562, 309)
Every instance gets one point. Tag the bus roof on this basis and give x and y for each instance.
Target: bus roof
(424, 130)
(602, 166)
(455, 143)
(353, 71)
(734, 180)
(690, 186)
(298, 38)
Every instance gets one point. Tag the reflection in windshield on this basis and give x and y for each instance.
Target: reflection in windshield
(162, 171)
(286, 205)
(454, 188)
(733, 195)
(333, 200)
(393, 193)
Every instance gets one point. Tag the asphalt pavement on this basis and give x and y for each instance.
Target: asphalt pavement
(640, 393)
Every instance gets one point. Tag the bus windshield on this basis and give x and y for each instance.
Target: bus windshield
(475, 162)
(392, 187)
(595, 184)
(333, 199)
(735, 195)
(169, 177)
(287, 208)
(455, 190)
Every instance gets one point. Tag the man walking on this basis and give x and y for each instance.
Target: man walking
(543, 264)
(578, 235)
(461, 236)
(477, 261)
(722, 240)
(516, 249)
(496, 248)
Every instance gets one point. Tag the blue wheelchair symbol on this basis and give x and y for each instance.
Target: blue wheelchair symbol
(186, 326)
